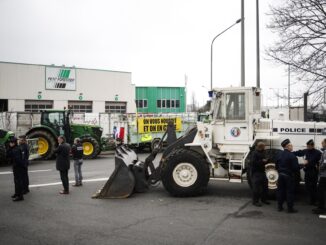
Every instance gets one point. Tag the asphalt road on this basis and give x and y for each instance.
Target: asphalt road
(223, 216)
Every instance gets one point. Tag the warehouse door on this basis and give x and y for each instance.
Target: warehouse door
(3, 105)
(38, 105)
(116, 107)
(80, 106)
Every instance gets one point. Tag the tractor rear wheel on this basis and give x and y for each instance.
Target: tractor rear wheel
(3, 155)
(46, 143)
(91, 147)
(185, 173)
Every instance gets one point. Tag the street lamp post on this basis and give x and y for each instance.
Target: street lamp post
(238, 21)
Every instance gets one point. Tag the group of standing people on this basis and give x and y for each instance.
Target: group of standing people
(287, 165)
(18, 155)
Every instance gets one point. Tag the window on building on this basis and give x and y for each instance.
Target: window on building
(235, 106)
(163, 103)
(177, 103)
(3, 105)
(38, 105)
(159, 103)
(168, 103)
(115, 107)
(141, 103)
(172, 103)
(80, 106)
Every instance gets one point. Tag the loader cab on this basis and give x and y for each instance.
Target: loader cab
(234, 111)
(57, 120)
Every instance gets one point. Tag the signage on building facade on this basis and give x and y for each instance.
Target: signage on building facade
(60, 78)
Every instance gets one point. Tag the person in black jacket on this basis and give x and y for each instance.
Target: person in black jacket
(14, 154)
(25, 156)
(77, 154)
(311, 163)
(258, 175)
(287, 166)
(63, 163)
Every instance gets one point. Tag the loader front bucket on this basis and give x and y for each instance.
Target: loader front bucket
(121, 183)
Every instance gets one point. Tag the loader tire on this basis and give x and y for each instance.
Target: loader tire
(185, 173)
(46, 143)
(3, 155)
(91, 147)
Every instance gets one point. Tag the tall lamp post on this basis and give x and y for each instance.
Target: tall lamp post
(237, 22)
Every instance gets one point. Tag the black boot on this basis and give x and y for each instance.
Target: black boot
(292, 210)
(18, 198)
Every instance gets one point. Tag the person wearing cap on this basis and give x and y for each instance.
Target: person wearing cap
(63, 163)
(25, 156)
(14, 155)
(258, 175)
(287, 166)
(311, 162)
(321, 188)
(77, 154)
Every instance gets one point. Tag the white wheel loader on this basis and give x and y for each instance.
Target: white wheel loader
(218, 149)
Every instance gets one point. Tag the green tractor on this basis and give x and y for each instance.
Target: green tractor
(4, 139)
(57, 122)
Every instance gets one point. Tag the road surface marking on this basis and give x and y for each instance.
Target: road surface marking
(322, 216)
(32, 171)
(72, 181)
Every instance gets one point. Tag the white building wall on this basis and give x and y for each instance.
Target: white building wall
(16, 105)
(20, 82)
(60, 104)
(98, 106)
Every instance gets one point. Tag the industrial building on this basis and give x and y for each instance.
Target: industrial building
(161, 99)
(29, 87)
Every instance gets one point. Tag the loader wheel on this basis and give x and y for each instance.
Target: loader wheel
(185, 173)
(3, 155)
(46, 143)
(91, 147)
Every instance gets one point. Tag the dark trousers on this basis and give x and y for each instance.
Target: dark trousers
(311, 180)
(25, 179)
(18, 179)
(64, 179)
(321, 189)
(259, 187)
(285, 190)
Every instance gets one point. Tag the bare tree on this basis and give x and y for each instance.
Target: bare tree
(193, 102)
(301, 26)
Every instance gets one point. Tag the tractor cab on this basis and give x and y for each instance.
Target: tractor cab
(59, 121)
(234, 111)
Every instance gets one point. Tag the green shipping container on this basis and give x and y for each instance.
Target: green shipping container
(160, 99)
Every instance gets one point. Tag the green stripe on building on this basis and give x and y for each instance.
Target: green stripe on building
(160, 99)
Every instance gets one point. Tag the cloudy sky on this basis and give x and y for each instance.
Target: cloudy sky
(159, 41)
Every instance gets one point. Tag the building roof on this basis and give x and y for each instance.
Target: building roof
(71, 67)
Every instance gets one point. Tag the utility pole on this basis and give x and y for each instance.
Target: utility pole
(289, 85)
(243, 75)
(257, 46)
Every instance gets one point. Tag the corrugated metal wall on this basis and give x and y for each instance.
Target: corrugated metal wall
(152, 94)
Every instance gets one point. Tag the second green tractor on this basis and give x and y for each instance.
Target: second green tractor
(58, 122)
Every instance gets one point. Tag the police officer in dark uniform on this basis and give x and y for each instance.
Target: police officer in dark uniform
(258, 175)
(14, 154)
(311, 162)
(287, 166)
(25, 156)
